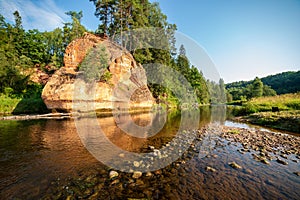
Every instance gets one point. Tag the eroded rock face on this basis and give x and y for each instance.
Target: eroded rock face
(127, 87)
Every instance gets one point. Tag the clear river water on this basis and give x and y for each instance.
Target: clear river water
(41, 159)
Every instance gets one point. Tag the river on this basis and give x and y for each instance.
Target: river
(46, 159)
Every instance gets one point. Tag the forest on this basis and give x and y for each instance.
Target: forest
(282, 83)
(22, 51)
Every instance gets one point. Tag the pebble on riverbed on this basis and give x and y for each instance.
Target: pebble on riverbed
(282, 162)
(136, 163)
(163, 183)
(265, 161)
(297, 173)
(137, 174)
(113, 174)
(210, 169)
(234, 165)
(263, 145)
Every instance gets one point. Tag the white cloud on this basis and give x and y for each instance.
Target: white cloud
(42, 15)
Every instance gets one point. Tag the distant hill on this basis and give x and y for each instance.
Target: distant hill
(282, 83)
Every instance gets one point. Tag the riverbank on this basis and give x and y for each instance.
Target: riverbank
(73, 115)
(283, 120)
(279, 112)
(264, 146)
(18, 106)
(219, 159)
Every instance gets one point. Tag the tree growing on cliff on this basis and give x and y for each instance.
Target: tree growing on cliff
(94, 66)
(119, 16)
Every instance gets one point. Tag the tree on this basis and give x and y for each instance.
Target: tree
(182, 51)
(104, 11)
(182, 62)
(222, 91)
(257, 89)
(34, 47)
(268, 91)
(11, 78)
(119, 16)
(73, 30)
(21, 50)
(95, 65)
(55, 47)
(198, 82)
(229, 97)
(18, 20)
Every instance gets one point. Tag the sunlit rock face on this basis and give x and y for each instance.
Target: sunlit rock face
(68, 91)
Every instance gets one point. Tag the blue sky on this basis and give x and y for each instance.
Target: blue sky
(243, 38)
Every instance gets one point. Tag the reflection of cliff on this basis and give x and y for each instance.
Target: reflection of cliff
(128, 82)
(119, 137)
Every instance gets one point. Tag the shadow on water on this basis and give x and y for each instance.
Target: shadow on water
(46, 158)
(31, 106)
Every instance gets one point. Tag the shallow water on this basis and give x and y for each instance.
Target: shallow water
(41, 158)
(251, 126)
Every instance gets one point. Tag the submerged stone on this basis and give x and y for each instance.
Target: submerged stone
(210, 169)
(234, 165)
(282, 162)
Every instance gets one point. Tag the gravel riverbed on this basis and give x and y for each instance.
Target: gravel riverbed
(221, 163)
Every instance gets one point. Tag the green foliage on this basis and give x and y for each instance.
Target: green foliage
(284, 120)
(268, 91)
(217, 92)
(8, 104)
(199, 84)
(229, 97)
(95, 64)
(33, 105)
(74, 29)
(30, 106)
(282, 83)
(246, 90)
(263, 104)
(21, 50)
(257, 88)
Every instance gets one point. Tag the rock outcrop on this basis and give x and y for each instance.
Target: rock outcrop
(39, 76)
(68, 91)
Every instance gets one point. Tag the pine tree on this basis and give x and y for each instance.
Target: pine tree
(74, 29)
(222, 91)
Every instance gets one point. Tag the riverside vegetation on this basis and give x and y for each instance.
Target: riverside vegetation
(259, 103)
(22, 51)
(45, 159)
(280, 111)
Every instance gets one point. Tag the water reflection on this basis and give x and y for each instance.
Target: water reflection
(34, 154)
(128, 136)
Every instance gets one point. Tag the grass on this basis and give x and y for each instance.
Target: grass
(285, 102)
(10, 105)
(259, 111)
(7, 104)
(283, 120)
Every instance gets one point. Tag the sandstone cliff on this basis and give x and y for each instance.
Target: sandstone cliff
(126, 87)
